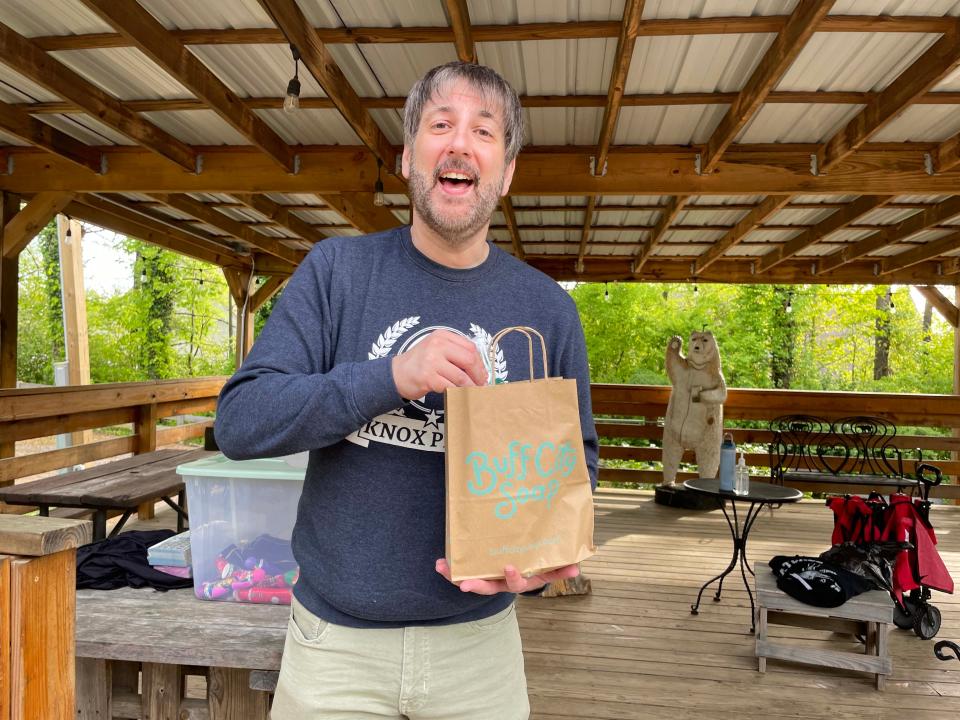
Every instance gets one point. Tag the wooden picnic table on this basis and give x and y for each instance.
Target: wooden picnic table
(165, 636)
(119, 485)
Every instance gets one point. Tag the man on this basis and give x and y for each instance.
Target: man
(351, 366)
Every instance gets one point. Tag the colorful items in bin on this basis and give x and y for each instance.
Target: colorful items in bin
(262, 571)
(174, 551)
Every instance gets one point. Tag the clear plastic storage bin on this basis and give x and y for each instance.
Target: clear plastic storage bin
(241, 517)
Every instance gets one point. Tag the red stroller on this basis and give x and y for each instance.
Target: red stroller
(918, 567)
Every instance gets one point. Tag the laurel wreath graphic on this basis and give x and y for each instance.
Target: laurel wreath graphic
(385, 342)
(482, 339)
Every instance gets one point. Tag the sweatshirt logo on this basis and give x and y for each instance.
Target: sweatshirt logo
(419, 424)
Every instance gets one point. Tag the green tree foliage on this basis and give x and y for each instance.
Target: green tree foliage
(806, 337)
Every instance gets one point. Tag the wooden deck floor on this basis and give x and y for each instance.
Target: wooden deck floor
(632, 649)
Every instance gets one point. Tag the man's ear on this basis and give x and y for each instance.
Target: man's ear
(508, 177)
(405, 162)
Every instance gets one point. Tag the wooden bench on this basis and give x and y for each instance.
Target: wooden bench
(121, 485)
(855, 454)
(137, 637)
(868, 615)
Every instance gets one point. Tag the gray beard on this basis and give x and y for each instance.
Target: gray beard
(454, 230)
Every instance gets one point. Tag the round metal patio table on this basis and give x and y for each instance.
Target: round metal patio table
(760, 494)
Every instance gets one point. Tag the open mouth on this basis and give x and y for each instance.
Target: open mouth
(455, 182)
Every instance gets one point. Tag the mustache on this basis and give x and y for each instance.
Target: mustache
(456, 165)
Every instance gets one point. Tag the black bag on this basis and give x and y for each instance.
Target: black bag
(815, 582)
(121, 561)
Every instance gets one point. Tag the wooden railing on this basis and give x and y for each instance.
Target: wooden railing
(42, 412)
(622, 412)
(636, 412)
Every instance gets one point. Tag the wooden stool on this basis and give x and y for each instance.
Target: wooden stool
(868, 614)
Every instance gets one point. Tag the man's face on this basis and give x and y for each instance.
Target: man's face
(456, 165)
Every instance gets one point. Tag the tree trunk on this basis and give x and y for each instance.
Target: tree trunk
(784, 339)
(881, 348)
(50, 255)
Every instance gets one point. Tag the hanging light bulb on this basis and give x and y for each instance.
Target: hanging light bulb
(789, 307)
(696, 289)
(893, 308)
(291, 103)
(69, 233)
(378, 198)
(606, 293)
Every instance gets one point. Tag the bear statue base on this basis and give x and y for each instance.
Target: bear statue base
(679, 497)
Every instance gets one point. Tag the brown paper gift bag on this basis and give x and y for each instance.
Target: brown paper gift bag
(518, 491)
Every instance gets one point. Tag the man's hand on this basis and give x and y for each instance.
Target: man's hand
(443, 359)
(513, 581)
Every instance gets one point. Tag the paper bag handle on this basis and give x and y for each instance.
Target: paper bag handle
(491, 350)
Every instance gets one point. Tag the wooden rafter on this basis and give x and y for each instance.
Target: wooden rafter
(357, 208)
(840, 219)
(755, 217)
(938, 61)
(946, 155)
(18, 123)
(585, 230)
(281, 215)
(28, 59)
(318, 60)
(155, 41)
(666, 219)
(266, 291)
(506, 205)
(527, 101)
(926, 251)
(632, 10)
(653, 171)
(31, 219)
(213, 217)
(156, 211)
(460, 24)
(522, 31)
(105, 214)
(926, 218)
(775, 62)
(937, 299)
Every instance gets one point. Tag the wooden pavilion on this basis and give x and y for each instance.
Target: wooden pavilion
(734, 141)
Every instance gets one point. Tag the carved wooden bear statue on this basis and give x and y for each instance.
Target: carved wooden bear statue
(695, 412)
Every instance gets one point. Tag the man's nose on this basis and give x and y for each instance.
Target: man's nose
(460, 142)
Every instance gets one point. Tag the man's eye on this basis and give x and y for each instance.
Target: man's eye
(485, 132)
(440, 125)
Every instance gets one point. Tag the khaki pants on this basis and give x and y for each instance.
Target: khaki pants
(469, 671)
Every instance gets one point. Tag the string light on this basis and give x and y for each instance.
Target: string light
(378, 198)
(291, 103)
(606, 293)
(696, 289)
(69, 232)
(789, 307)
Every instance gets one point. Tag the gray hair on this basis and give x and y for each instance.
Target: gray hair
(482, 78)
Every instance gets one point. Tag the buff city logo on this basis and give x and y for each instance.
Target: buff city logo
(419, 424)
(508, 474)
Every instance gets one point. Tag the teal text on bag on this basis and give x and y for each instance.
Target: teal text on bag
(506, 474)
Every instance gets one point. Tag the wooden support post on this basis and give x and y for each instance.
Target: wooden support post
(94, 689)
(240, 290)
(74, 294)
(146, 442)
(9, 298)
(229, 695)
(162, 690)
(956, 375)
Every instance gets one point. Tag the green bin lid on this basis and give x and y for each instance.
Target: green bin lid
(220, 466)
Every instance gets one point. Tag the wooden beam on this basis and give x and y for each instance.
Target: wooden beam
(937, 62)
(527, 101)
(157, 43)
(239, 285)
(357, 208)
(281, 215)
(668, 27)
(788, 44)
(927, 251)
(585, 231)
(25, 225)
(29, 60)
(632, 10)
(937, 299)
(217, 219)
(507, 206)
(120, 219)
(652, 171)
(318, 60)
(460, 24)
(666, 219)
(946, 155)
(74, 296)
(266, 291)
(840, 219)
(19, 124)
(755, 217)
(9, 302)
(930, 216)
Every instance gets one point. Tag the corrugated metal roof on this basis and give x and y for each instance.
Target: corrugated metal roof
(922, 123)
(52, 17)
(126, 73)
(256, 70)
(494, 12)
(823, 198)
(667, 125)
(796, 123)
(310, 127)
(896, 7)
(197, 127)
(709, 217)
(886, 216)
(223, 14)
(86, 129)
(788, 216)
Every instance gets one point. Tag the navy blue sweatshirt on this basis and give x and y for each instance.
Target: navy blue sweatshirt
(371, 519)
